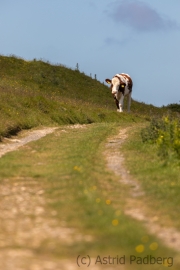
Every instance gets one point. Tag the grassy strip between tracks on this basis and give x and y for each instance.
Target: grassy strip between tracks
(70, 166)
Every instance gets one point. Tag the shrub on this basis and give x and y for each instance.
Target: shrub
(150, 134)
(175, 107)
(165, 133)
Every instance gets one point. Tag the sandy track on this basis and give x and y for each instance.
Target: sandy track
(26, 137)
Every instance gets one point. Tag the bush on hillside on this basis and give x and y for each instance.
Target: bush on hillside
(175, 107)
(165, 133)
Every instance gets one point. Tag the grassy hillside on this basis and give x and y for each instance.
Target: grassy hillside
(37, 93)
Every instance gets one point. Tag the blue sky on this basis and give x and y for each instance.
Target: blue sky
(105, 37)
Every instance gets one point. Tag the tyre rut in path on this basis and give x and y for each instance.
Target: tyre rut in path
(135, 206)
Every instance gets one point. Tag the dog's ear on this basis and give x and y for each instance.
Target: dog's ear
(108, 81)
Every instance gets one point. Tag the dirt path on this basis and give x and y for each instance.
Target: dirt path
(135, 203)
(23, 138)
(25, 221)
